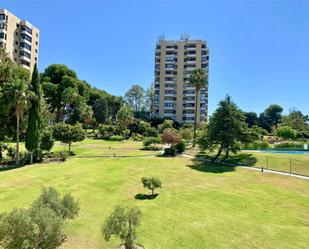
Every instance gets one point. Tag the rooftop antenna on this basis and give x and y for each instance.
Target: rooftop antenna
(161, 38)
(185, 37)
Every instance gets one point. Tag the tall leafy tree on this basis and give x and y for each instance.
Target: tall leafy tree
(124, 117)
(251, 119)
(198, 79)
(226, 129)
(34, 119)
(135, 98)
(149, 100)
(297, 121)
(15, 95)
(271, 117)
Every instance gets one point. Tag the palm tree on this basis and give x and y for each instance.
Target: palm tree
(198, 79)
(15, 95)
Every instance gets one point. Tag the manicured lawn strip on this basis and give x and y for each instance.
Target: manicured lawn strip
(300, 163)
(281, 162)
(234, 208)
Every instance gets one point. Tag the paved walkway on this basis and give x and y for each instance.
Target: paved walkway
(257, 169)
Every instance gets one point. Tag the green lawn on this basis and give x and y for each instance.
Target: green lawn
(198, 207)
(281, 162)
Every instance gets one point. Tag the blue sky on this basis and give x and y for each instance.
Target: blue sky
(259, 50)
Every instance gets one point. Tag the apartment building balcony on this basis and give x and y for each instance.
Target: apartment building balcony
(25, 66)
(25, 49)
(188, 48)
(188, 63)
(3, 30)
(25, 40)
(169, 115)
(170, 94)
(2, 40)
(24, 58)
(23, 31)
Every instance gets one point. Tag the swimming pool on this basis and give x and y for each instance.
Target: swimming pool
(289, 152)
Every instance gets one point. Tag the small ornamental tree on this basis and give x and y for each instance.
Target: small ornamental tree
(65, 207)
(47, 141)
(170, 136)
(286, 132)
(186, 134)
(122, 223)
(106, 130)
(151, 183)
(68, 134)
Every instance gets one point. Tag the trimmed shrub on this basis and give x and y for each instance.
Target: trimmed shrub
(257, 145)
(59, 155)
(151, 141)
(106, 131)
(137, 137)
(181, 146)
(289, 145)
(169, 151)
(116, 138)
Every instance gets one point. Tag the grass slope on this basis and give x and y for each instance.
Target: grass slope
(198, 207)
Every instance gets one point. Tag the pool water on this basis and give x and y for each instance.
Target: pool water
(290, 152)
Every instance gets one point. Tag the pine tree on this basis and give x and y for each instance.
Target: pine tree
(34, 119)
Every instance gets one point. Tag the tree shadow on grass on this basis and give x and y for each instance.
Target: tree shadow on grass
(203, 164)
(143, 197)
(6, 168)
(243, 159)
(209, 167)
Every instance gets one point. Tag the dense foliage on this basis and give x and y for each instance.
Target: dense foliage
(42, 225)
(122, 223)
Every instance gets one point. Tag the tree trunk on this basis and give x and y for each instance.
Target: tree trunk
(226, 154)
(17, 139)
(31, 157)
(152, 191)
(218, 154)
(195, 117)
(69, 149)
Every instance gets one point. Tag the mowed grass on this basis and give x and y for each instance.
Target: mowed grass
(100, 147)
(198, 207)
(299, 163)
(281, 162)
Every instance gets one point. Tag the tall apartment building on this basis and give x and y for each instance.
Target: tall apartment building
(20, 39)
(174, 62)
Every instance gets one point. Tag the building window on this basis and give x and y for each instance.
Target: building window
(25, 63)
(3, 26)
(169, 104)
(2, 16)
(15, 51)
(26, 28)
(36, 58)
(16, 33)
(172, 66)
(26, 37)
(16, 43)
(25, 45)
(169, 58)
(26, 54)
(204, 58)
(17, 25)
(2, 36)
(36, 43)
